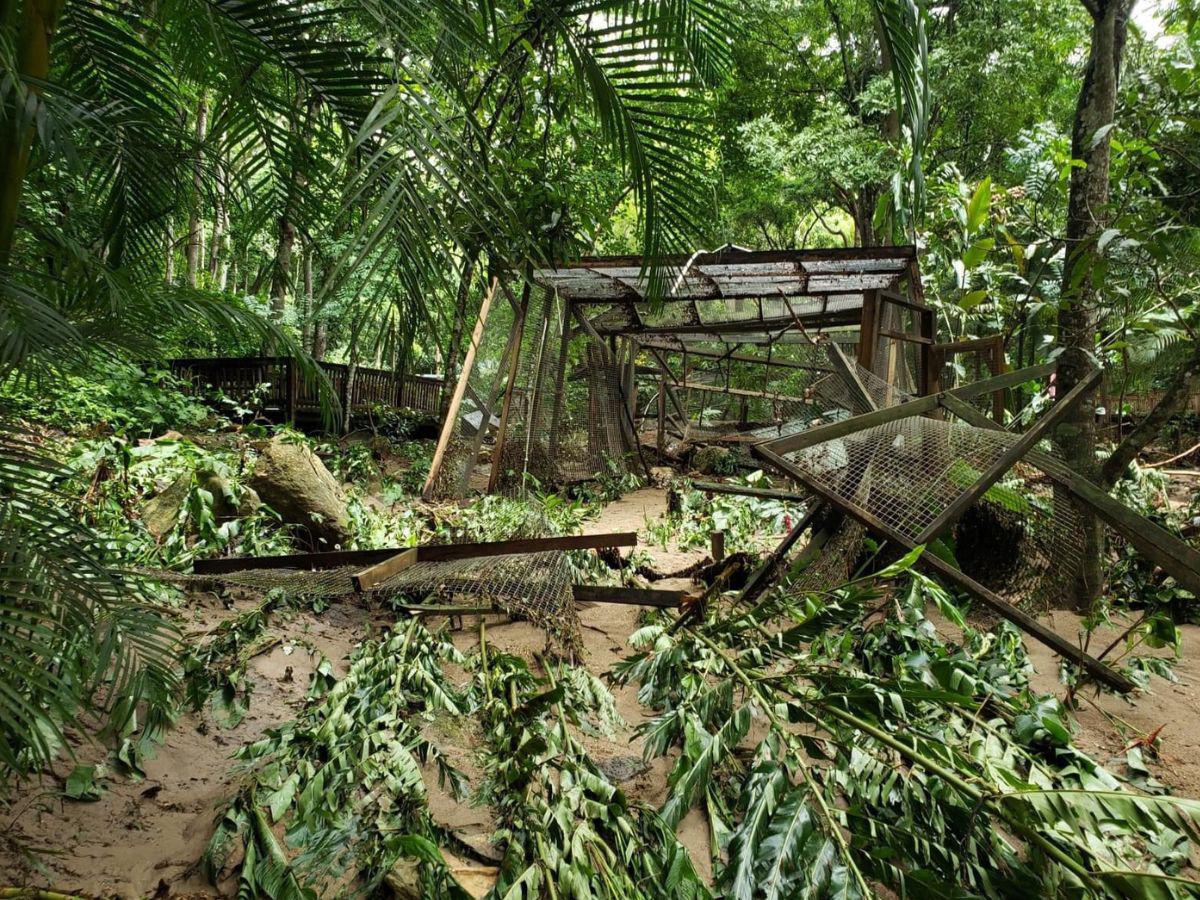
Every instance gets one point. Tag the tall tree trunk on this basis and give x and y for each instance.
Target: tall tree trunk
(459, 323)
(38, 20)
(282, 277)
(320, 339)
(218, 251)
(307, 313)
(1079, 311)
(169, 266)
(195, 241)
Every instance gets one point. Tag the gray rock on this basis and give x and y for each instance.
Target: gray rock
(293, 481)
(161, 512)
(621, 768)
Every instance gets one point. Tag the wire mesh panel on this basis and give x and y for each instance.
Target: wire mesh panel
(568, 419)
(533, 586)
(481, 404)
(1022, 538)
(897, 361)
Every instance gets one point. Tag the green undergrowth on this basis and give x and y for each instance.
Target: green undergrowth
(750, 524)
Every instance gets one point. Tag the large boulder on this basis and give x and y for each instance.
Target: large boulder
(293, 481)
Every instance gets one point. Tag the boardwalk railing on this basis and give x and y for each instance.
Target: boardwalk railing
(274, 386)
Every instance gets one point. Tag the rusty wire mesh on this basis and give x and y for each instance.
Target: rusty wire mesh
(568, 420)
(532, 586)
(1022, 539)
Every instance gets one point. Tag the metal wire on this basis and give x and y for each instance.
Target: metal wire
(532, 586)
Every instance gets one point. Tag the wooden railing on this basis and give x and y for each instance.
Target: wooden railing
(273, 386)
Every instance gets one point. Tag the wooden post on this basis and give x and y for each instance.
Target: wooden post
(631, 378)
(460, 388)
(717, 545)
(514, 361)
(998, 367)
(564, 348)
(928, 322)
(868, 331)
(662, 407)
(293, 389)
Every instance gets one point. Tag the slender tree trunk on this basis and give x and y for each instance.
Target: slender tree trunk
(195, 241)
(218, 252)
(1079, 311)
(320, 339)
(306, 318)
(169, 267)
(456, 329)
(38, 20)
(283, 276)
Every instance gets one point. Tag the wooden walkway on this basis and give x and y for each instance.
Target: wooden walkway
(273, 387)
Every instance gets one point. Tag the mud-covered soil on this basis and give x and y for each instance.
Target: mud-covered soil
(144, 838)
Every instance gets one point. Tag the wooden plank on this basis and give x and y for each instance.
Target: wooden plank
(1018, 617)
(1009, 458)
(660, 599)
(428, 553)
(868, 330)
(919, 406)
(900, 300)
(762, 577)
(375, 575)
(448, 426)
(905, 337)
(717, 541)
(1158, 545)
(740, 490)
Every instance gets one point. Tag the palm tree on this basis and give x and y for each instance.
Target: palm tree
(369, 129)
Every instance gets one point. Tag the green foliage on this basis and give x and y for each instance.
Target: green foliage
(116, 396)
(748, 522)
(884, 753)
(345, 776)
(81, 638)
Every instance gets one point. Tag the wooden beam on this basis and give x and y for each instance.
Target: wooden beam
(762, 577)
(1158, 545)
(660, 599)
(740, 490)
(919, 406)
(428, 553)
(738, 392)
(1018, 617)
(373, 576)
(735, 357)
(451, 423)
(1009, 458)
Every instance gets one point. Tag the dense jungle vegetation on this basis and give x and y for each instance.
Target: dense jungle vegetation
(338, 180)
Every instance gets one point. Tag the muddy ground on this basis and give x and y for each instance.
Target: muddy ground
(144, 838)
